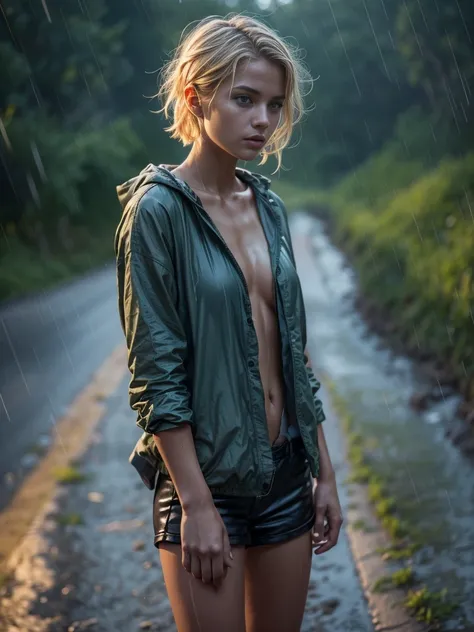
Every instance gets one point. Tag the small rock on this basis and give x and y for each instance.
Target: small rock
(95, 497)
(44, 441)
(146, 625)
(138, 545)
(121, 525)
(433, 417)
(67, 589)
(419, 401)
(147, 565)
(9, 479)
(29, 460)
(77, 626)
(329, 606)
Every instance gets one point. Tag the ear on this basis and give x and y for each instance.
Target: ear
(193, 101)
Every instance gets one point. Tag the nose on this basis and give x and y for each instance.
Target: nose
(261, 121)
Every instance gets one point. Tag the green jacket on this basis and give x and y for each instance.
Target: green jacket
(192, 346)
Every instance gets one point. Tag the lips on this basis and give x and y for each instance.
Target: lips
(258, 138)
(255, 142)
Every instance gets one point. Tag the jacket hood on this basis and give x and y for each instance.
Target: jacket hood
(162, 174)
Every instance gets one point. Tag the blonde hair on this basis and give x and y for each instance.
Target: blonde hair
(209, 53)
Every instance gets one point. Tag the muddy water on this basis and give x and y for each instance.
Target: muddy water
(432, 482)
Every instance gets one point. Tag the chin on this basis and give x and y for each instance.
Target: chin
(248, 155)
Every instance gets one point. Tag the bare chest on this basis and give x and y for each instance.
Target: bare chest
(242, 231)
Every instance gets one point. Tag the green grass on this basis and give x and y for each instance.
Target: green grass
(428, 607)
(398, 579)
(69, 475)
(411, 245)
(24, 270)
(69, 519)
(431, 608)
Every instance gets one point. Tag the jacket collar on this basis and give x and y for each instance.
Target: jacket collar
(255, 180)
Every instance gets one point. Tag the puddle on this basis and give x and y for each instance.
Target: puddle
(431, 480)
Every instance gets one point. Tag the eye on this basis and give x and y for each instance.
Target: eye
(276, 106)
(243, 99)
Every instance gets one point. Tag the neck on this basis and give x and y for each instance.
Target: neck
(211, 168)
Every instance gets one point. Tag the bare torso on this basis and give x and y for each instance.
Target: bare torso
(237, 220)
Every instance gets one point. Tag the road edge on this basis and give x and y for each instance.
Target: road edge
(386, 609)
(39, 489)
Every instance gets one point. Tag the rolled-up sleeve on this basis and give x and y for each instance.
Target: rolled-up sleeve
(156, 341)
(315, 386)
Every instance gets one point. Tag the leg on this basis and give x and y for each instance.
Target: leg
(276, 585)
(199, 607)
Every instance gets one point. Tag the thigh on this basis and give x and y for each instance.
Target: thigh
(199, 607)
(276, 585)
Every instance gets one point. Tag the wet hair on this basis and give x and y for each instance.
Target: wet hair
(209, 53)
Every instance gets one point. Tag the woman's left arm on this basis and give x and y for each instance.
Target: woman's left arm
(326, 499)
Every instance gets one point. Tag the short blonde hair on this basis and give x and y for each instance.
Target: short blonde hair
(209, 53)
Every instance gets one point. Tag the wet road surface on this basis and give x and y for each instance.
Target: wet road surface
(432, 482)
(106, 573)
(50, 345)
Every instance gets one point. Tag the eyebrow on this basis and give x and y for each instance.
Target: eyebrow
(256, 92)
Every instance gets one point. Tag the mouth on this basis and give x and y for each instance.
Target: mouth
(256, 141)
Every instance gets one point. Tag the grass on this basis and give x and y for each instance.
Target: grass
(398, 579)
(69, 519)
(23, 270)
(359, 525)
(69, 475)
(429, 607)
(432, 608)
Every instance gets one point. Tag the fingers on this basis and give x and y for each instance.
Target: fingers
(228, 557)
(186, 558)
(196, 566)
(218, 570)
(334, 528)
(318, 529)
(210, 566)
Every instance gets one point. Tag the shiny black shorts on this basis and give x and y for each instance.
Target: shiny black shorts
(286, 512)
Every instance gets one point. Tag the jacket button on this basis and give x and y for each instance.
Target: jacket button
(251, 363)
(278, 270)
(250, 320)
(266, 487)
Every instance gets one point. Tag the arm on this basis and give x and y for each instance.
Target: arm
(159, 390)
(326, 498)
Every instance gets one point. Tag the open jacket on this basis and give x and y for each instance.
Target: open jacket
(192, 346)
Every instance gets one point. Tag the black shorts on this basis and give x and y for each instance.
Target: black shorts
(286, 512)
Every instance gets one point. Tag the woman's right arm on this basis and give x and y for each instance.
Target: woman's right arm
(159, 387)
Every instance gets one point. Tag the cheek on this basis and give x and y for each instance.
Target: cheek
(225, 121)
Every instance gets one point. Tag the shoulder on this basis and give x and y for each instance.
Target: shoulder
(159, 202)
(147, 225)
(157, 214)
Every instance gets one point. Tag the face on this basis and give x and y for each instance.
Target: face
(245, 111)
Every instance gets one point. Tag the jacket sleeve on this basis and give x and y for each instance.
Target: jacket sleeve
(156, 341)
(315, 384)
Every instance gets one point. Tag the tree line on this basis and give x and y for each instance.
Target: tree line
(77, 79)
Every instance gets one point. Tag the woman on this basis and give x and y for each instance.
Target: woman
(213, 314)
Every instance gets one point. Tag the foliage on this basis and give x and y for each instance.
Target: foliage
(391, 96)
(415, 255)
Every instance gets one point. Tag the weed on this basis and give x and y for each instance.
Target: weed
(69, 519)
(69, 475)
(430, 607)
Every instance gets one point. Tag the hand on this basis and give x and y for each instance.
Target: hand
(205, 544)
(326, 503)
